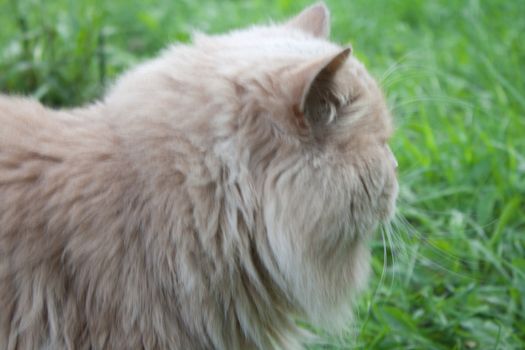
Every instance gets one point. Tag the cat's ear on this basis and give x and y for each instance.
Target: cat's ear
(314, 90)
(314, 20)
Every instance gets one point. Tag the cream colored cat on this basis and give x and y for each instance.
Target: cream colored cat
(215, 195)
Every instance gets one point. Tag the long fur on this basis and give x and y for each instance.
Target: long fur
(215, 195)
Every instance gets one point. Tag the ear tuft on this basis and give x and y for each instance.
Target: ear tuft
(314, 20)
(333, 66)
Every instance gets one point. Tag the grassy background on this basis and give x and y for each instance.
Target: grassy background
(452, 274)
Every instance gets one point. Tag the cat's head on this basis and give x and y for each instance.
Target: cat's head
(309, 115)
(314, 129)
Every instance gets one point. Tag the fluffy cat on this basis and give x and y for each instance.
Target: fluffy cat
(215, 195)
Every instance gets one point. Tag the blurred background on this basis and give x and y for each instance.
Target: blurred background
(450, 274)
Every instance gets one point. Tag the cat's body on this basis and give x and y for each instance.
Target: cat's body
(214, 195)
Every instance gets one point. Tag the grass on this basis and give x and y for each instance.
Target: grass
(451, 273)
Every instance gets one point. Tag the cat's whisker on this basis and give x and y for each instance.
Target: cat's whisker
(428, 242)
(407, 74)
(443, 101)
(387, 228)
(431, 263)
(385, 260)
(438, 99)
(403, 226)
(398, 65)
(406, 227)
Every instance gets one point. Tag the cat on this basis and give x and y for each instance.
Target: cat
(216, 195)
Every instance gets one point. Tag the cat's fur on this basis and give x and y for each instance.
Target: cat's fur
(217, 193)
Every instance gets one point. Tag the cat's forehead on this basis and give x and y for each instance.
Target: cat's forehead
(259, 53)
(267, 47)
(268, 41)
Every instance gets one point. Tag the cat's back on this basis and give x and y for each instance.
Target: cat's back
(80, 205)
(56, 208)
(22, 120)
(30, 138)
(50, 162)
(28, 126)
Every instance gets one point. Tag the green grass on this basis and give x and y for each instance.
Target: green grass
(452, 273)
